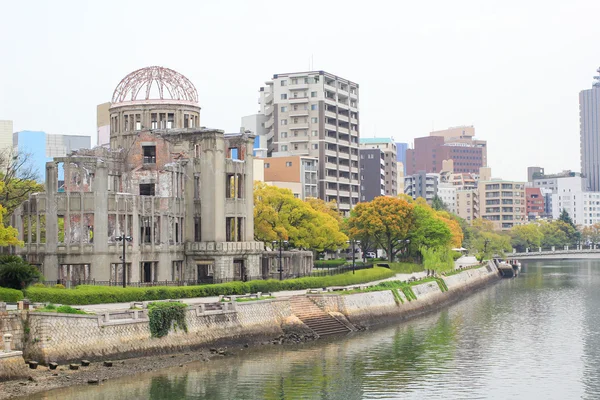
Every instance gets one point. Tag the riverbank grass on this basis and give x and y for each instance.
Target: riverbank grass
(458, 271)
(85, 294)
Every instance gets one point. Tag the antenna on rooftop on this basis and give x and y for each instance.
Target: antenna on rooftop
(597, 78)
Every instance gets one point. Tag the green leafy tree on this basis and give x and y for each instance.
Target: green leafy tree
(554, 234)
(19, 179)
(15, 273)
(566, 218)
(438, 204)
(489, 244)
(526, 236)
(591, 234)
(428, 231)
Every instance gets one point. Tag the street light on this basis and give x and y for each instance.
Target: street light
(124, 239)
(354, 243)
(281, 243)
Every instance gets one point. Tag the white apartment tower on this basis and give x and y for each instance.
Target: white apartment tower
(315, 114)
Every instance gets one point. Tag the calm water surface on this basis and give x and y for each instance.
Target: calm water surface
(534, 337)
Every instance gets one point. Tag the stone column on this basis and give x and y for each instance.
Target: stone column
(100, 268)
(7, 342)
(50, 258)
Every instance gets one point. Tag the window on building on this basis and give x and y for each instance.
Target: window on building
(283, 96)
(315, 133)
(313, 107)
(283, 82)
(288, 163)
(284, 122)
(314, 120)
(283, 109)
(149, 153)
(283, 134)
(147, 189)
(294, 81)
(284, 147)
(315, 146)
(267, 165)
(313, 94)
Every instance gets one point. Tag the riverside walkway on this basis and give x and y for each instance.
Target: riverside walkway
(97, 308)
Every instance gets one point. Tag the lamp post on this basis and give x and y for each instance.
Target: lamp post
(125, 239)
(354, 242)
(281, 243)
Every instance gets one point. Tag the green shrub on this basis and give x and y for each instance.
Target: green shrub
(38, 285)
(109, 294)
(50, 306)
(455, 254)
(68, 310)
(10, 295)
(15, 273)
(162, 315)
(330, 263)
(57, 286)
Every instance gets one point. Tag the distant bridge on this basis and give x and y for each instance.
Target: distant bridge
(580, 253)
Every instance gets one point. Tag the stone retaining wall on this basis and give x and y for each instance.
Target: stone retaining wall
(11, 323)
(67, 337)
(12, 366)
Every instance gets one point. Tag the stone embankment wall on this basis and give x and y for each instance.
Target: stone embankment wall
(372, 308)
(64, 337)
(11, 323)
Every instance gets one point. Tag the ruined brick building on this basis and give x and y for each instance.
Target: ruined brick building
(181, 191)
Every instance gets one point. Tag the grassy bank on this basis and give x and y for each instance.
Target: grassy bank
(109, 294)
(458, 271)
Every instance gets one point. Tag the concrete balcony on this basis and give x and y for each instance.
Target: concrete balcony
(269, 123)
(344, 193)
(293, 127)
(330, 114)
(299, 113)
(298, 86)
(331, 88)
(330, 127)
(343, 118)
(344, 130)
(345, 168)
(269, 110)
(269, 98)
(331, 153)
(298, 100)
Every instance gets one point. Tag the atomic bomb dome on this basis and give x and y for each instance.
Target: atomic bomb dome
(155, 83)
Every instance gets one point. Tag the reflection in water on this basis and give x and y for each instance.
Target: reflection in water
(537, 336)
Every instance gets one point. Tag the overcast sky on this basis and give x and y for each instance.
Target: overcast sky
(513, 69)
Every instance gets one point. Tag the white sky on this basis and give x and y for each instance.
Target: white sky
(511, 68)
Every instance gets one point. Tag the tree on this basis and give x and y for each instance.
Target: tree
(437, 259)
(488, 244)
(566, 218)
(8, 234)
(15, 273)
(18, 177)
(278, 215)
(591, 234)
(429, 230)
(553, 234)
(387, 220)
(438, 204)
(526, 236)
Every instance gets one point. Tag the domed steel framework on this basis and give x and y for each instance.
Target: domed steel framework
(146, 83)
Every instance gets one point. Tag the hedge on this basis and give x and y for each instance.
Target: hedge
(330, 263)
(85, 294)
(10, 295)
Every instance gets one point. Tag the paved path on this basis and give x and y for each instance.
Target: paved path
(213, 299)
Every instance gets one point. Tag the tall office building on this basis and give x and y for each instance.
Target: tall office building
(6, 136)
(388, 147)
(457, 144)
(589, 131)
(316, 114)
(401, 155)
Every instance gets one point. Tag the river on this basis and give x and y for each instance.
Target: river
(533, 337)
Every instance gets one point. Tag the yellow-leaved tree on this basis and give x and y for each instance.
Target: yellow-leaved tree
(8, 234)
(278, 215)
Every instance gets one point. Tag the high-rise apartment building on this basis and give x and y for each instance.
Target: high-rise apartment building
(589, 131)
(422, 184)
(467, 204)
(503, 203)
(457, 144)
(563, 182)
(297, 173)
(316, 114)
(372, 173)
(582, 207)
(6, 137)
(388, 147)
(535, 203)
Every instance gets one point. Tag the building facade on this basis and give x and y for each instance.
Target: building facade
(6, 137)
(372, 173)
(422, 184)
(457, 144)
(582, 207)
(184, 195)
(255, 123)
(535, 203)
(467, 204)
(503, 203)
(534, 173)
(589, 131)
(447, 193)
(297, 173)
(388, 147)
(316, 114)
(563, 182)
(401, 155)
(103, 124)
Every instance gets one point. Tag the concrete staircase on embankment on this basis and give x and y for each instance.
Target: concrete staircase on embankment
(316, 319)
